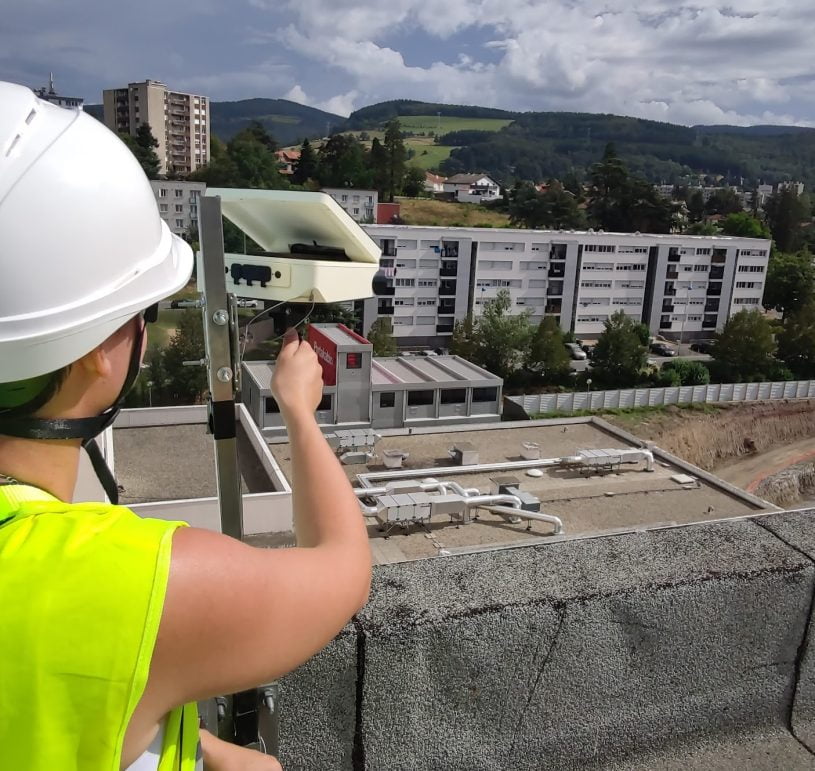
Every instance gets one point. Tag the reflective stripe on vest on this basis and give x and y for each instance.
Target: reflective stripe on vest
(82, 590)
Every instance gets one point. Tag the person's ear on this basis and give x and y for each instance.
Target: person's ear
(97, 362)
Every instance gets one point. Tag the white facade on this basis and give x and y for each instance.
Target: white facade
(360, 204)
(472, 188)
(178, 203)
(680, 286)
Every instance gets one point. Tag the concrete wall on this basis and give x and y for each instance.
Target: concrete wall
(680, 648)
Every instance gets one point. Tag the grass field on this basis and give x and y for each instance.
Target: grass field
(443, 124)
(426, 211)
(426, 154)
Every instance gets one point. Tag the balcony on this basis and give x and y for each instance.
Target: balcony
(447, 290)
(444, 329)
(714, 290)
(447, 309)
(389, 251)
(672, 274)
(716, 272)
(388, 291)
(557, 271)
(385, 310)
(448, 271)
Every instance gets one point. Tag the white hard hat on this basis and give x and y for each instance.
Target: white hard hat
(82, 245)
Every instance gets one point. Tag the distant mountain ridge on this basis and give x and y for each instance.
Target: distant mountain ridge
(288, 122)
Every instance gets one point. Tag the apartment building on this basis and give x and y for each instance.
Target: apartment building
(180, 122)
(49, 94)
(360, 204)
(178, 203)
(680, 286)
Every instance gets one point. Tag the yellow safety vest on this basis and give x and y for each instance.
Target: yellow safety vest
(81, 595)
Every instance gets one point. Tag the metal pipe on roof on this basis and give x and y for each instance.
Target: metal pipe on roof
(485, 500)
(529, 515)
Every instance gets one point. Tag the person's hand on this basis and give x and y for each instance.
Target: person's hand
(222, 756)
(297, 383)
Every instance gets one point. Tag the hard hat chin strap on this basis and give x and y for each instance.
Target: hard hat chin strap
(86, 429)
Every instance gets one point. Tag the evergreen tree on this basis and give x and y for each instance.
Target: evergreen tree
(547, 353)
(186, 385)
(785, 212)
(252, 151)
(143, 145)
(396, 153)
(696, 206)
(378, 162)
(381, 337)
(621, 352)
(306, 166)
(343, 163)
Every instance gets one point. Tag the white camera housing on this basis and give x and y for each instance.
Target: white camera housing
(278, 219)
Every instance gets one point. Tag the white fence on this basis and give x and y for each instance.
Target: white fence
(535, 404)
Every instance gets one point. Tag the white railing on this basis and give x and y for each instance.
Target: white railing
(627, 398)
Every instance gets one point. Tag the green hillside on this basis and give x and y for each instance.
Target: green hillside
(375, 115)
(542, 145)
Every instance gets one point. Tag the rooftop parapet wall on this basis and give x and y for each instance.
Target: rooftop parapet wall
(609, 652)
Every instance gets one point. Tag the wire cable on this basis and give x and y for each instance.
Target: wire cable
(269, 310)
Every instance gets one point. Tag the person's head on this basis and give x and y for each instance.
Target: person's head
(83, 254)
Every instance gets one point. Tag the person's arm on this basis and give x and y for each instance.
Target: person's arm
(237, 616)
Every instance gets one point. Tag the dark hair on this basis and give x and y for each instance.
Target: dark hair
(25, 397)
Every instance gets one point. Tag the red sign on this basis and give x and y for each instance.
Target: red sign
(326, 350)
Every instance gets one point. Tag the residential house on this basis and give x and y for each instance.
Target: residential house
(472, 188)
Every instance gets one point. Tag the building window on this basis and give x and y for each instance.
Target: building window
(405, 282)
(344, 197)
(325, 403)
(453, 396)
(353, 361)
(420, 398)
(163, 208)
(179, 193)
(485, 394)
(179, 223)
(356, 210)
(179, 208)
(387, 399)
(162, 193)
(272, 407)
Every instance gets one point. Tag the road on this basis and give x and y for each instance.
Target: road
(583, 364)
(748, 471)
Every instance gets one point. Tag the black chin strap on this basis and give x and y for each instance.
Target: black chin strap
(86, 429)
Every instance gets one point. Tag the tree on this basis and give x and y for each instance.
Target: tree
(702, 229)
(378, 162)
(744, 225)
(502, 339)
(688, 372)
(553, 208)
(784, 212)
(609, 178)
(723, 201)
(790, 281)
(621, 351)
(397, 155)
(547, 353)
(342, 163)
(381, 337)
(696, 206)
(305, 168)
(463, 342)
(413, 184)
(143, 145)
(796, 342)
(186, 385)
(743, 352)
(221, 171)
(252, 151)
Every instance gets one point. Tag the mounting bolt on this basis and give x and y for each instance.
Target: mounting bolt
(224, 374)
(220, 317)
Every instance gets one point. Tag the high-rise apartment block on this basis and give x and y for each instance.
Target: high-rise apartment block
(679, 286)
(180, 122)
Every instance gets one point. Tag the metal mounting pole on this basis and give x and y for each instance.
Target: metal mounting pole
(220, 368)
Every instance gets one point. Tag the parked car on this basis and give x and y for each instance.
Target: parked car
(661, 349)
(588, 349)
(702, 346)
(576, 352)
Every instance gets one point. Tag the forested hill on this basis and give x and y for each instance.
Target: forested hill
(375, 115)
(288, 122)
(541, 145)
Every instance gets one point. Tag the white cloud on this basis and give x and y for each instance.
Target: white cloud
(296, 94)
(676, 62)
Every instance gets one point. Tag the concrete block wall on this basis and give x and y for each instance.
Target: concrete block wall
(686, 647)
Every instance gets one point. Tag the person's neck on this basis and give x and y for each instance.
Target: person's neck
(50, 464)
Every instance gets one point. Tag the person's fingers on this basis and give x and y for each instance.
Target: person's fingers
(291, 342)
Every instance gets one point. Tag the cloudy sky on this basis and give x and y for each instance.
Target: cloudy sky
(745, 62)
